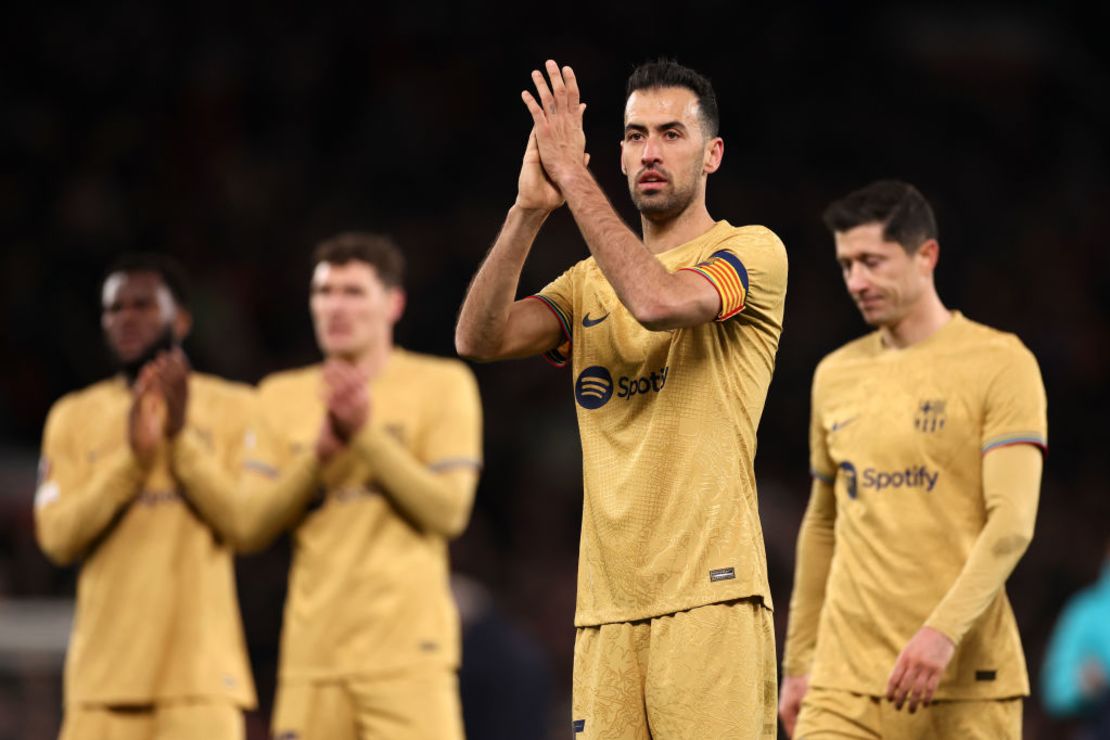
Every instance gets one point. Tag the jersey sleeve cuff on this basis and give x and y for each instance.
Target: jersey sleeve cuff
(1018, 438)
(558, 356)
(822, 476)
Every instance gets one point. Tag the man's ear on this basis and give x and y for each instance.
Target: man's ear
(714, 153)
(929, 253)
(182, 324)
(397, 301)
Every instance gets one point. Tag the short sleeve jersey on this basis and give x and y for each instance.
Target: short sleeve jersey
(156, 616)
(368, 589)
(668, 428)
(901, 434)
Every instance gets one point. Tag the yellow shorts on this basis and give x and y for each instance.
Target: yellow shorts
(411, 705)
(176, 720)
(828, 713)
(704, 673)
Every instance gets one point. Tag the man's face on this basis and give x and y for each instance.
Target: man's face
(665, 154)
(352, 308)
(884, 280)
(137, 314)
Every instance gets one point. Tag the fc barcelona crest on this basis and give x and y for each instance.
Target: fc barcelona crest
(930, 416)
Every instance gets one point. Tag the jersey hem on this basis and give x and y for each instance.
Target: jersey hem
(952, 693)
(619, 618)
(319, 675)
(135, 700)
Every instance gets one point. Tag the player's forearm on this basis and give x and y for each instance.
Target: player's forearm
(436, 501)
(816, 543)
(1011, 485)
(210, 488)
(655, 297)
(67, 522)
(484, 316)
(270, 500)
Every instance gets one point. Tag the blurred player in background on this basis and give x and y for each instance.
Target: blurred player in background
(926, 450)
(672, 342)
(372, 459)
(1076, 675)
(131, 487)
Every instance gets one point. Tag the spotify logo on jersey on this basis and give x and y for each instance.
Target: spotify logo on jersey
(594, 387)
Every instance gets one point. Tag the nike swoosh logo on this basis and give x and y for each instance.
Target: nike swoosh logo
(838, 425)
(588, 322)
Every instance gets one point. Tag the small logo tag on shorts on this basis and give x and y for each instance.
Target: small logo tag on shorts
(579, 726)
(722, 574)
(985, 675)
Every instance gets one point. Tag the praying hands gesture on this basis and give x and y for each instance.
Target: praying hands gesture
(559, 138)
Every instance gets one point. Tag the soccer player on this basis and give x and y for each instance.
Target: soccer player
(131, 485)
(925, 444)
(671, 338)
(372, 459)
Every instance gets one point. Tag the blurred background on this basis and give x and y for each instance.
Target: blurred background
(236, 137)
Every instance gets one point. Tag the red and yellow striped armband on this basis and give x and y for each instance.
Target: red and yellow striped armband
(726, 273)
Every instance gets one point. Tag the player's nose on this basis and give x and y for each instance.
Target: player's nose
(856, 279)
(652, 152)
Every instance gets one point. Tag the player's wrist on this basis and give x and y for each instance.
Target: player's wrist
(566, 174)
(528, 212)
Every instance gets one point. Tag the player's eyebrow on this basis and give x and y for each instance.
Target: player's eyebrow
(660, 127)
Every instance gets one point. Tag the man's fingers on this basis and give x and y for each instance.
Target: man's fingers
(558, 89)
(148, 377)
(902, 693)
(930, 689)
(895, 678)
(922, 688)
(538, 116)
(543, 93)
(788, 712)
(573, 95)
(532, 150)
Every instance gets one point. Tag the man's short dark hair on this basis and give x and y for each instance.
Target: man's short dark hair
(903, 211)
(376, 250)
(167, 268)
(669, 73)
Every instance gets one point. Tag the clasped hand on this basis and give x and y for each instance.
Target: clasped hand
(557, 143)
(347, 403)
(160, 398)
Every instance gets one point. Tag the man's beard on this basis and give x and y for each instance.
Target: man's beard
(659, 207)
(162, 343)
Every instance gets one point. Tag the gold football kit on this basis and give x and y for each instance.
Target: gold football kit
(369, 606)
(925, 467)
(668, 426)
(157, 620)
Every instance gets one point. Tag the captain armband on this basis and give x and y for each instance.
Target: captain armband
(728, 276)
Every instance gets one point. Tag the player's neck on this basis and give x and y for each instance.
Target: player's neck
(659, 236)
(372, 360)
(926, 319)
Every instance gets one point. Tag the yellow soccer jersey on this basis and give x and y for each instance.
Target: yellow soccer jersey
(368, 586)
(668, 426)
(157, 616)
(902, 434)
